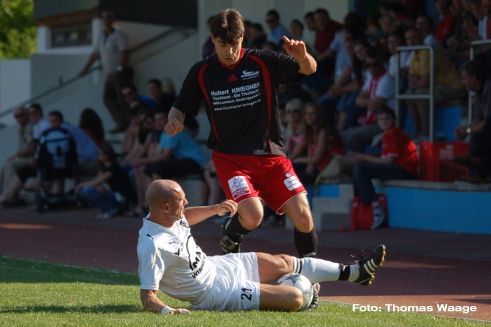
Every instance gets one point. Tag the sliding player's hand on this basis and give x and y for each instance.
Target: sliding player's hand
(227, 206)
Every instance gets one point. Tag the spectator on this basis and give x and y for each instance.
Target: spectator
(25, 150)
(446, 25)
(258, 37)
(377, 92)
(111, 189)
(276, 29)
(399, 160)
(447, 84)
(295, 132)
(322, 142)
(475, 80)
(142, 137)
(326, 29)
(310, 31)
(87, 150)
(39, 123)
(425, 24)
(180, 155)
(112, 50)
(91, 124)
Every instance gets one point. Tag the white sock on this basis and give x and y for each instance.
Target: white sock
(354, 272)
(317, 270)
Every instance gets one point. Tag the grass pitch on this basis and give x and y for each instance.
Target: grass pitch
(41, 294)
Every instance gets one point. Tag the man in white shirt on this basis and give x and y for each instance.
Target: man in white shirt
(113, 52)
(170, 260)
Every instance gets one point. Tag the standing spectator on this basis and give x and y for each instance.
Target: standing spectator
(111, 188)
(245, 136)
(91, 124)
(276, 29)
(112, 50)
(399, 160)
(24, 152)
(322, 141)
(475, 80)
(446, 25)
(326, 28)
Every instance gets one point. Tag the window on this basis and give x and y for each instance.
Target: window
(70, 36)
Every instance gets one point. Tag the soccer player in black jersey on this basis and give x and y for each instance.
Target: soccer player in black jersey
(238, 87)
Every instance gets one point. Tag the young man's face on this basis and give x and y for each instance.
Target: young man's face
(470, 82)
(228, 54)
(385, 121)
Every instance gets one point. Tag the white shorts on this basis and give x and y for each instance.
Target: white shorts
(236, 285)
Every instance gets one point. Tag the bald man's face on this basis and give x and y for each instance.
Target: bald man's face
(177, 203)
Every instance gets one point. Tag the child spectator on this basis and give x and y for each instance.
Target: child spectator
(399, 160)
(111, 188)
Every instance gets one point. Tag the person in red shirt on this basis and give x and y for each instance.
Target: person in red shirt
(399, 160)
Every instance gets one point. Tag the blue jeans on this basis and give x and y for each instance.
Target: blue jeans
(106, 201)
(364, 172)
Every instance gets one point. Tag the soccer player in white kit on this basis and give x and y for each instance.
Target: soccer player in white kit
(170, 260)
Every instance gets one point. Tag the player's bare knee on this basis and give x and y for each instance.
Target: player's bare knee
(251, 222)
(284, 264)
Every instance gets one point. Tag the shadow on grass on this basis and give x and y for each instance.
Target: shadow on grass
(110, 308)
(27, 271)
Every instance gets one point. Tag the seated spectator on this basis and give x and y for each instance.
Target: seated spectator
(179, 156)
(27, 170)
(91, 124)
(322, 142)
(447, 84)
(399, 160)
(475, 80)
(309, 32)
(142, 137)
(111, 189)
(25, 151)
(377, 92)
(425, 24)
(258, 37)
(295, 135)
(134, 102)
(162, 101)
(446, 25)
(276, 29)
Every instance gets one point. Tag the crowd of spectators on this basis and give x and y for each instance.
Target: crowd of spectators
(345, 110)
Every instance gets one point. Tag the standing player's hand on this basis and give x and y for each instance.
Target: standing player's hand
(229, 206)
(294, 48)
(173, 127)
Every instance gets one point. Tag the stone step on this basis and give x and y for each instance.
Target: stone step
(331, 205)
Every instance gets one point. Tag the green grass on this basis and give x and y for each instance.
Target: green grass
(42, 294)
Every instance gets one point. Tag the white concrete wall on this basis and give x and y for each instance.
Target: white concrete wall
(14, 85)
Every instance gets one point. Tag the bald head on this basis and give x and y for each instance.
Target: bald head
(161, 191)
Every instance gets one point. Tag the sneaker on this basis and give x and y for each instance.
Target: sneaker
(226, 243)
(315, 297)
(368, 266)
(378, 217)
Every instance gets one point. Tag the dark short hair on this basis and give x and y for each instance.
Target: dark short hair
(130, 86)
(387, 111)
(298, 22)
(228, 26)
(428, 18)
(57, 114)
(273, 13)
(474, 68)
(309, 14)
(37, 107)
(375, 54)
(322, 11)
(155, 81)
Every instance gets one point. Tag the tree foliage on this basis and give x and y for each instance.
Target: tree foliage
(17, 29)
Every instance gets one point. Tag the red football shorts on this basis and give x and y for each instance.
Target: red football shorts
(271, 178)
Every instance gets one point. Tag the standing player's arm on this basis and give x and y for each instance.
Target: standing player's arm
(175, 122)
(152, 303)
(296, 49)
(195, 215)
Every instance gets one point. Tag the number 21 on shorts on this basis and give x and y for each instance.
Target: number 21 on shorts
(246, 294)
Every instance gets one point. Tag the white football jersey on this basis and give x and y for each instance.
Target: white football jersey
(170, 260)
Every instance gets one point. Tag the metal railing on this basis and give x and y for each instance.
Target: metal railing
(431, 89)
(98, 67)
(474, 45)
